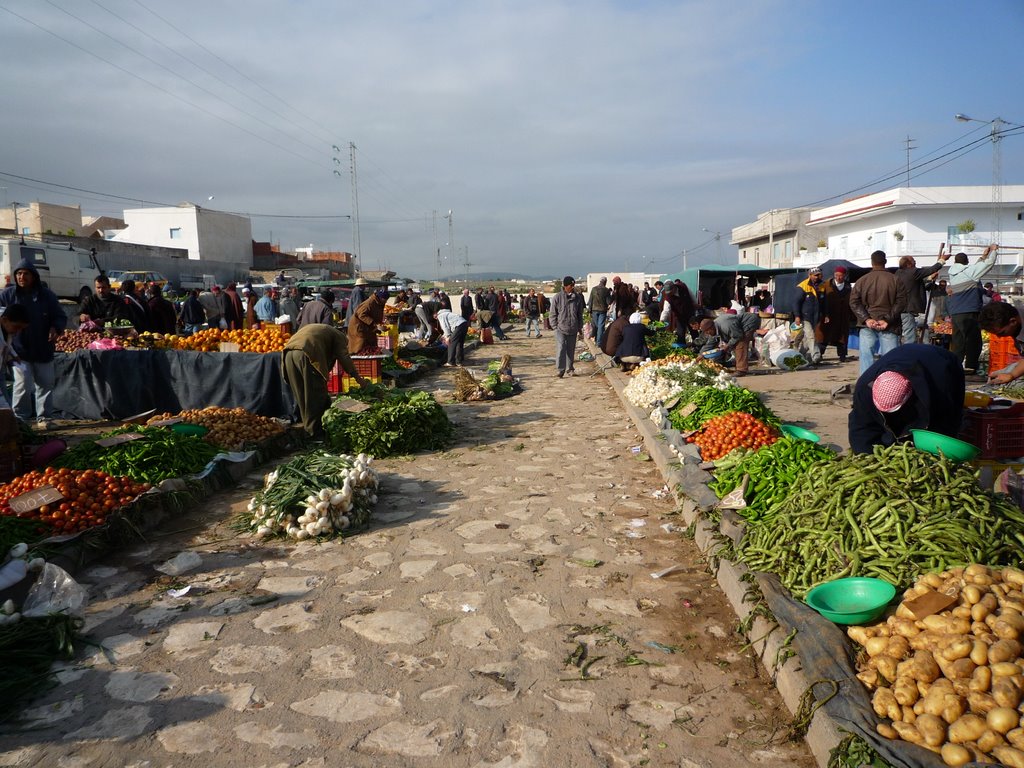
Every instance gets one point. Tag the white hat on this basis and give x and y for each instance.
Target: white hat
(361, 281)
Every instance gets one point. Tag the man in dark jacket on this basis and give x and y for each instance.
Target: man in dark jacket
(597, 305)
(319, 311)
(634, 342)
(532, 307)
(193, 316)
(915, 386)
(811, 312)
(34, 377)
(103, 305)
(136, 311)
(466, 304)
(912, 278)
(162, 317)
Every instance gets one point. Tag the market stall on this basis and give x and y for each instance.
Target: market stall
(116, 384)
(903, 545)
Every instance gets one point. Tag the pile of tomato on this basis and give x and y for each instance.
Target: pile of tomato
(90, 496)
(722, 434)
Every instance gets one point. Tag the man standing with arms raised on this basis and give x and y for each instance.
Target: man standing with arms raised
(912, 277)
(567, 321)
(877, 299)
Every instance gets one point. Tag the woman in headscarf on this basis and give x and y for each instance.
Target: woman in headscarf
(362, 328)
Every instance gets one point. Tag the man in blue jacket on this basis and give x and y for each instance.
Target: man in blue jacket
(964, 303)
(915, 386)
(34, 376)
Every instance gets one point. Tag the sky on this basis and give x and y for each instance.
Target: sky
(564, 136)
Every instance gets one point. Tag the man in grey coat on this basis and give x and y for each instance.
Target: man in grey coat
(566, 317)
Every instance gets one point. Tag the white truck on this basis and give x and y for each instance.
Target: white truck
(67, 271)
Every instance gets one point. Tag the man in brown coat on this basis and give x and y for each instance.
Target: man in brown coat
(877, 299)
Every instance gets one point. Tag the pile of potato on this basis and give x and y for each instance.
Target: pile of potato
(231, 428)
(953, 682)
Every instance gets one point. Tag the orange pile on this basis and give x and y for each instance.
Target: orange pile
(269, 338)
(89, 497)
(725, 433)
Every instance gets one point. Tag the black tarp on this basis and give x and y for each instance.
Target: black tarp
(116, 384)
(787, 295)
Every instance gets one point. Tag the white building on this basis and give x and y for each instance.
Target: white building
(915, 221)
(208, 235)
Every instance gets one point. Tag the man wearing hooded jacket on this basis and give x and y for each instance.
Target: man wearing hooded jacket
(34, 379)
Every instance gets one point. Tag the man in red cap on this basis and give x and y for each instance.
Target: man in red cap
(915, 386)
(838, 315)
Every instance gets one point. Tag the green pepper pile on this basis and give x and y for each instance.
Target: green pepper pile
(772, 470)
(160, 454)
(713, 402)
(893, 514)
(398, 423)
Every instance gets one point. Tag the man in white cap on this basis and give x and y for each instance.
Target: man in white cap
(359, 295)
(915, 386)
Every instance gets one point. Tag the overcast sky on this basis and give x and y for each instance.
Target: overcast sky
(564, 136)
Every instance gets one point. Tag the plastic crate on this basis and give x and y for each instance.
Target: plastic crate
(334, 380)
(1002, 351)
(997, 432)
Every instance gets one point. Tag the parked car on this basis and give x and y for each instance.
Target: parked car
(140, 278)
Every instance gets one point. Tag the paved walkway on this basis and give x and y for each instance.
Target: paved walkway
(501, 612)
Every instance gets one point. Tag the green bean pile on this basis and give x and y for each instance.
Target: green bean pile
(28, 649)
(772, 469)
(713, 402)
(160, 454)
(892, 514)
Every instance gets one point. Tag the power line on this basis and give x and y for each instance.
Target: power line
(158, 87)
(236, 70)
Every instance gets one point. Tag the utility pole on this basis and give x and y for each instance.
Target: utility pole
(437, 251)
(467, 265)
(17, 230)
(909, 147)
(356, 242)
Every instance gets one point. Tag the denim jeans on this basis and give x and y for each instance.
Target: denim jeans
(910, 325)
(887, 342)
(598, 319)
(34, 384)
(534, 323)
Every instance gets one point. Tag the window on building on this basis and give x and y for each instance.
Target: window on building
(744, 255)
(843, 242)
(789, 252)
(776, 251)
(175, 233)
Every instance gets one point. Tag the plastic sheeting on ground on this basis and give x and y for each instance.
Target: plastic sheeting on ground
(824, 653)
(117, 384)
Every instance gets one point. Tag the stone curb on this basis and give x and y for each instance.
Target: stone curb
(823, 734)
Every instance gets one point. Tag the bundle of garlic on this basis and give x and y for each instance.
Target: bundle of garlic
(658, 382)
(316, 494)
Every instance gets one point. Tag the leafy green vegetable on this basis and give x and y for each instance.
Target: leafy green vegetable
(158, 455)
(400, 423)
(711, 402)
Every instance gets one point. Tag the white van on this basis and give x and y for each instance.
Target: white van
(67, 271)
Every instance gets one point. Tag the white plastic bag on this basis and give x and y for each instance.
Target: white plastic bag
(775, 341)
(795, 360)
(55, 592)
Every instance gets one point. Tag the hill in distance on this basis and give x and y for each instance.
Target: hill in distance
(483, 277)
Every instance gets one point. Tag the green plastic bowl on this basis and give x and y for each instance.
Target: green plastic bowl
(854, 600)
(950, 447)
(194, 430)
(792, 430)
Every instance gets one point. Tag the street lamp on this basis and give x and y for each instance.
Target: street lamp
(718, 244)
(995, 134)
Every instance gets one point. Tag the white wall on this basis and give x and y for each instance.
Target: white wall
(204, 233)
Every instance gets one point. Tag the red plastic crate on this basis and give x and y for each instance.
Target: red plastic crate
(385, 341)
(997, 432)
(367, 367)
(334, 380)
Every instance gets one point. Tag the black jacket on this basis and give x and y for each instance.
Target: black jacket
(634, 341)
(937, 403)
(466, 305)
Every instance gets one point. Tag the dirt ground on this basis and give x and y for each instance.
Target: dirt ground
(500, 612)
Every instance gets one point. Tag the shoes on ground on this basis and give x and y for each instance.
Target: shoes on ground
(538, 335)
(570, 372)
(561, 374)
(448, 365)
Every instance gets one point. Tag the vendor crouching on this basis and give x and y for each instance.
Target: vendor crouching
(915, 386)
(306, 362)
